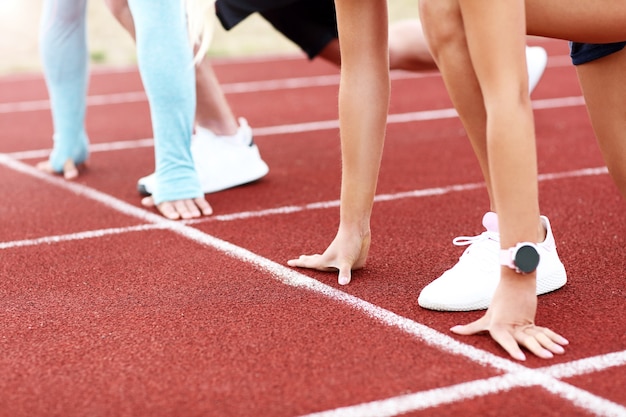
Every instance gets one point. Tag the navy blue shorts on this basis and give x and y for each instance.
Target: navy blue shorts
(310, 24)
(582, 53)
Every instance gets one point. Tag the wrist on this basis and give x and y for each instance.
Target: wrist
(523, 258)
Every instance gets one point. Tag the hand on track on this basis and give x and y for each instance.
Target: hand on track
(510, 321)
(346, 253)
(181, 209)
(70, 171)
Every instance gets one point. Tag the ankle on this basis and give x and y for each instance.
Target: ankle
(220, 129)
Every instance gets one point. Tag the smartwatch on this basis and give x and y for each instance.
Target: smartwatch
(523, 257)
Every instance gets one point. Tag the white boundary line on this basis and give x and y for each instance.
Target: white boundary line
(518, 375)
(418, 116)
(91, 234)
(230, 88)
(379, 198)
(465, 391)
(233, 88)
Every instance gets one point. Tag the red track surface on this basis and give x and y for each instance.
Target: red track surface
(109, 310)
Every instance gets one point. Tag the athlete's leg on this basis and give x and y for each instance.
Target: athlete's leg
(601, 80)
(598, 21)
(602, 83)
(331, 52)
(408, 49)
(121, 11)
(443, 27)
(63, 40)
(213, 111)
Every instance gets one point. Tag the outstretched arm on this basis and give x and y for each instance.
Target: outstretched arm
(363, 106)
(503, 137)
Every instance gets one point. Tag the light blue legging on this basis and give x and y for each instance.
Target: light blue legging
(165, 63)
(63, 45)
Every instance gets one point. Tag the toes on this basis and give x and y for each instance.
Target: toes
(45, 166)
(70, 171)
(148, 201)
(204, 206)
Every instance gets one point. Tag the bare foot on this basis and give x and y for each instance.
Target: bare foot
(181, 209)
(70, 171)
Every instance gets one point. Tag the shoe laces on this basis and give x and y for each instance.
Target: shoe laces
(481, 249)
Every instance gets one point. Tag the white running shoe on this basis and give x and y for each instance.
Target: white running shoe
(471, 283)
(221, 162)
(536, 61)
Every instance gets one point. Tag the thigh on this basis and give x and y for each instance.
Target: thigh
(602, 83)
(496, 38)
(598, 21)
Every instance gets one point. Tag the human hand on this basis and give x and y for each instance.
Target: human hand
(180, 209)
(70, 171)
(510, 320)
(347, 252)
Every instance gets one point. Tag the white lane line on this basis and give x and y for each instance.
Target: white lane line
(427, 192)
(295, 279)
(395, 406)
(428, 399)
(231, 88)
(440, 396)
(236, 88)
(586, 365)
(93, 148)
(418, 116)
(91, 234)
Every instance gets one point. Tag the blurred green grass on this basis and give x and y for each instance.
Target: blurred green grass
(110, 45)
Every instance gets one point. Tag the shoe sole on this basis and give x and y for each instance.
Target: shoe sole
(547, 285)
(143, 189)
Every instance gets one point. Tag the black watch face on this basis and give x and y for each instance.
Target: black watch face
(526, 259)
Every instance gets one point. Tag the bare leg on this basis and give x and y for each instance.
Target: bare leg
(212, 109)
(408, 49)
(603, 86)
(331, 53)
(450, 52)
(597, 21)
(121, 11)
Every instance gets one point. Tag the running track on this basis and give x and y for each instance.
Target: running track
(110, 310)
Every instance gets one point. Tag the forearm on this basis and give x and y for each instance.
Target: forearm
(501, 71)
(363, 105)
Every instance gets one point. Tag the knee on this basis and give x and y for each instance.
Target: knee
(117, 7)
(442, 24)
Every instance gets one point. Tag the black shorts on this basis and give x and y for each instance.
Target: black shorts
(310, 24)
(582, 53)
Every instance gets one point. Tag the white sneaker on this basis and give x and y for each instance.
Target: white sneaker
(221, 162)
(536, 61)
(471, 283)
